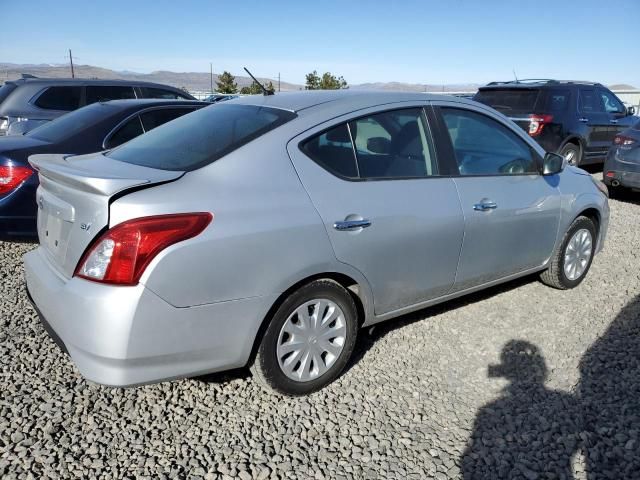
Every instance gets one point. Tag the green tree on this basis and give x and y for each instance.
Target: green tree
(326, 82)
(255, 89)
(227, 83)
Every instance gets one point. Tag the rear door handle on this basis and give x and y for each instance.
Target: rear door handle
(346, 225)
(485, 205)
(614, 121)
(583, 120)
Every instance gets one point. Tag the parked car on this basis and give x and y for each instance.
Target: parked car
(622, 167)
(578, 120)
(267, 230)
(30, 102)
(96, 127)
(220, 97)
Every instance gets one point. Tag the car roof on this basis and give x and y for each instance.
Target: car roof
(536, 83)
(307, 99)
(85, 81)
(152, 102)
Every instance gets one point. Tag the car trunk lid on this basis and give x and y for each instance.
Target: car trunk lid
(73, 200)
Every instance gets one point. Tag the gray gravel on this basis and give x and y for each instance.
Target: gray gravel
(419, 401)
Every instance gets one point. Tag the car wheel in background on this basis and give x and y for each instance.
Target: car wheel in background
(570, 264)
(571, 153)
(309, 340)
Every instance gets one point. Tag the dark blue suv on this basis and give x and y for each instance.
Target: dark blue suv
(578, 120)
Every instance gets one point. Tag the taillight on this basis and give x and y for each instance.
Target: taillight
(622, 141)
(537, 123)
(121, 254)
(11, 177)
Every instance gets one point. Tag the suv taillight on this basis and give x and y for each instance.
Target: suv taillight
(121, 254)
(622, 141)
(537, 123)
(11, 177)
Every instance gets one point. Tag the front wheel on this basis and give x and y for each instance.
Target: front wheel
(309, 339)
(572, 261)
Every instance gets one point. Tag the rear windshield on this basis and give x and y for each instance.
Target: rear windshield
(6, 89)
(71, 123)
(514, 100)
(201, 137)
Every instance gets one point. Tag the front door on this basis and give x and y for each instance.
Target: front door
(375, 182)
(511, 211)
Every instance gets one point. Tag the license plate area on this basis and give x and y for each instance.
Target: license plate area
(55, 219)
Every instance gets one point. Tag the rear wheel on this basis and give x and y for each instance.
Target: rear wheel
(309, 339)
(571, 152)
(570, 264)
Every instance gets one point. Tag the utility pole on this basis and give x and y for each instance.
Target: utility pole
(71, 63)
(278, 81)
(211, 76)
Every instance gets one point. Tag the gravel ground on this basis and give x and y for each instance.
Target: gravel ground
(521, 381)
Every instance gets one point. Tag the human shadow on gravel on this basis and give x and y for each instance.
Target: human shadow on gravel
(530, 432)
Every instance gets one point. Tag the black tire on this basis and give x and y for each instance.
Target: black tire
(554, 276)
(266, 369)
(573, 150)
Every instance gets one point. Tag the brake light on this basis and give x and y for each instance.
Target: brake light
(537, 123)
(11, 177)
(121, 254)
(622, 141)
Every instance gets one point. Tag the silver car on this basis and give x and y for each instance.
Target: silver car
(266, 231)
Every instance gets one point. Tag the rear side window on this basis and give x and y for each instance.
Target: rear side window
(60, 98)
(98, 93)
(155, 118)
(126, 132)
(483, 146)
(393, 144)
(149, 92)
(193, 141)
(557, 100)
(509, 100)
(589, 101)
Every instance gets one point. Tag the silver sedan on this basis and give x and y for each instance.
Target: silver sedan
(266, 231)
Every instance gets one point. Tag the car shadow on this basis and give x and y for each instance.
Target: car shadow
(531, 431)
(625, 195)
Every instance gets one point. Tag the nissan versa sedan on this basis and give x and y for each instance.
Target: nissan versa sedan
(266, 230)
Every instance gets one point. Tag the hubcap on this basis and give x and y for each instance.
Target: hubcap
(570, 156)
(311, 340)
(577, 254)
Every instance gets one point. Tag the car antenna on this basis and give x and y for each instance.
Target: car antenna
(515, 76)
(264, 90)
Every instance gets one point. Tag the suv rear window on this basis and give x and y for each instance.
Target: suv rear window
(60, 98)
(509, 100)
(200, 138)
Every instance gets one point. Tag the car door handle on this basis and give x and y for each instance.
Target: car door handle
(346, 225)
(614, 121)
(583, 120)
(484, 206)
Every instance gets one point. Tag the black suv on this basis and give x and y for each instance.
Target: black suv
(578, 120)
(30, 102)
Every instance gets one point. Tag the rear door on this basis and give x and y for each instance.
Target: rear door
(591, 112)
(388, 210)
(511, 212)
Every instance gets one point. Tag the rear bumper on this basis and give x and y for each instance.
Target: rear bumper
(124, 336)
(622, 168)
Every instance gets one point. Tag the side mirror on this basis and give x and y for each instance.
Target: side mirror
(379, 145)
(631, 110)
(553, 164)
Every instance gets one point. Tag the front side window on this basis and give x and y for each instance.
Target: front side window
(60, 98)
(193, 141)
(100, 93)
(483, 146)
(611, 103)
(393, 144)
(589, 101)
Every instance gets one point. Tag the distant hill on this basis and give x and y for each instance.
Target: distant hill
(200, 81)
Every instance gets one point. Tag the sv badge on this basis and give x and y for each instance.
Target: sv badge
(85, 226)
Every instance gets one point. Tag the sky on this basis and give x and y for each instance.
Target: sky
(424, 42)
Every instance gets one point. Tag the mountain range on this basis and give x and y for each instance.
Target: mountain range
(201, 81)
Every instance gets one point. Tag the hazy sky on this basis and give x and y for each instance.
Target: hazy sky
(456, 41)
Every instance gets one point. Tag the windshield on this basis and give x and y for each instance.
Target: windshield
(71, 123)
(201, 137)
(514, 100)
